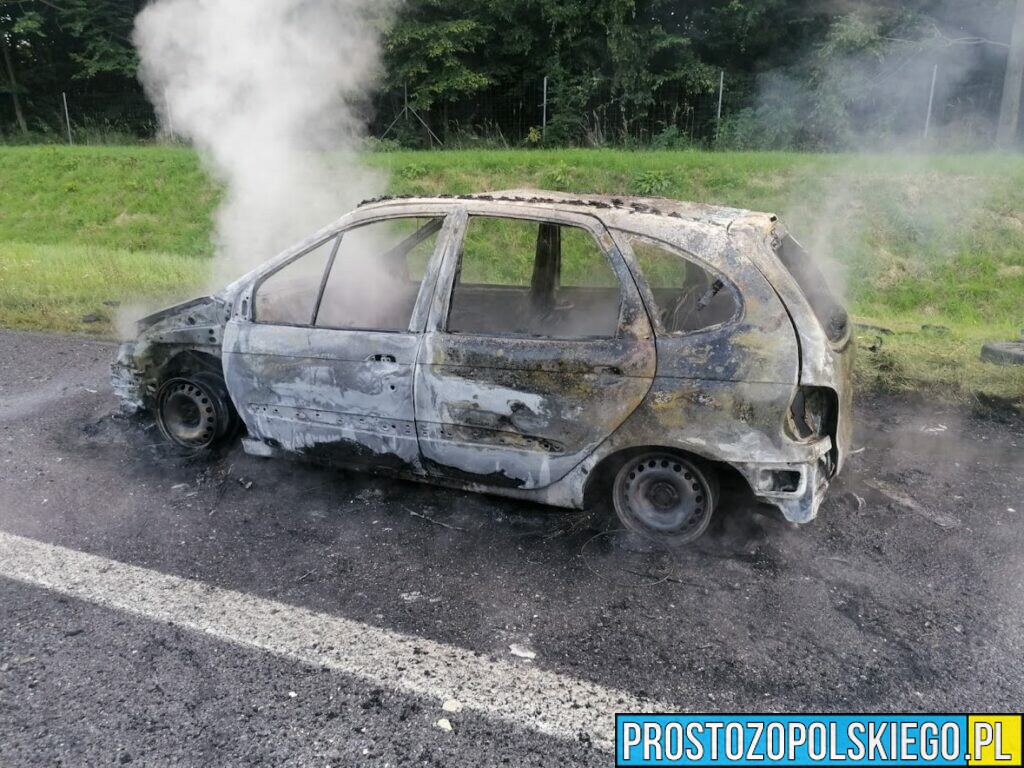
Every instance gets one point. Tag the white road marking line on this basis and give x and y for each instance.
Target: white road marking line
(516, 692)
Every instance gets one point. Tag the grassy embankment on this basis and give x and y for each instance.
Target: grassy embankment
(932, 248)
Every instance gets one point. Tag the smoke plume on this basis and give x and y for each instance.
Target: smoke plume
(273, 93)
(895, 99)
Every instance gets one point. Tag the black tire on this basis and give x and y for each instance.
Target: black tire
(664, 496)
(1004, 352)
(194, 411)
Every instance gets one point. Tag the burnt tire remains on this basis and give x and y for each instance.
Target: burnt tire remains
(664, 496)
(194, 411)
(1004, 352)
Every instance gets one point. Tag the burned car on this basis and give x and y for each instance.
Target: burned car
(562, 349)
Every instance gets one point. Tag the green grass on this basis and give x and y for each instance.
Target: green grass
(87, 288)
(132, 198)
(915, 241)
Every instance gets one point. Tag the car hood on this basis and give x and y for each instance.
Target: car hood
(203, 310)
(177, 309)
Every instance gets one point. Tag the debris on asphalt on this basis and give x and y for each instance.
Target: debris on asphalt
(935, 428)
(856, 501)
(246, 484)
(940, 519)
(436, 522)
(222, 485)
(444, 724)
(522, 652)
(292, 694)
(644, 561)
(452, 705)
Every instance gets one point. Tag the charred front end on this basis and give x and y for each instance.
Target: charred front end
(185, 338)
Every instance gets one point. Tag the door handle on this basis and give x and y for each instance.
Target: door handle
(382, 359)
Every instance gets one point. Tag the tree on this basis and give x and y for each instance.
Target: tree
(17, 29)
(432, 52)
(803, 73)
(103, 28)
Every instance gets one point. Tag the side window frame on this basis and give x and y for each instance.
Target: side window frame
(263, 277)
(625, 237)
(451, 269)
(413, 326)
(450, 218)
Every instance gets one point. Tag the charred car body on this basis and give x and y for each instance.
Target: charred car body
(531, 344)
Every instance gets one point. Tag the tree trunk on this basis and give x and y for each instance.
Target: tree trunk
(1009, 111)
(14, 87)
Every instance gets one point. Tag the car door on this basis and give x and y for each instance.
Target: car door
(537, 348)
(322, 361)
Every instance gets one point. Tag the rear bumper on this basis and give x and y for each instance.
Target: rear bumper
(797, 489)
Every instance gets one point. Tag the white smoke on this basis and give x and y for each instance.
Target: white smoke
(273, 94)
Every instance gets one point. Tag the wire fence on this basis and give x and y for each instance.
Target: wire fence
(533, 114)
(944, 108)
(83, 117)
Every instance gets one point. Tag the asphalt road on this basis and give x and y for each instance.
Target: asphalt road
(236, 611)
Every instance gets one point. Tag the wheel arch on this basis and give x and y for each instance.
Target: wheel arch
(601, 477)
(189, 360)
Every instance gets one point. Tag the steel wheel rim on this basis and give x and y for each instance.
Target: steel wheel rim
(663, 494)
(188, 414)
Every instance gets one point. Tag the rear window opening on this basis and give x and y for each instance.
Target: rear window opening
(520, 277)
(801, 265)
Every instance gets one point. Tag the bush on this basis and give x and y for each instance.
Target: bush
(759, 128)
(651, 183)
(373, 144)
(670, 137)
(412, 171)
(558, 177)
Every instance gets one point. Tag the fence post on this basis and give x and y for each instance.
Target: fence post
(544, 112)
(67, 116)
(718, 118)
(931, 101)
(170, 116)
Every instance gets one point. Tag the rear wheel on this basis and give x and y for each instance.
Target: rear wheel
(194, 410)
(664, 496)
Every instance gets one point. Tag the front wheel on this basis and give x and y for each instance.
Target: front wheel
(665, 497)
(194, 411)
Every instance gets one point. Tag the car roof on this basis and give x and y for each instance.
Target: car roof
(603, 206)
